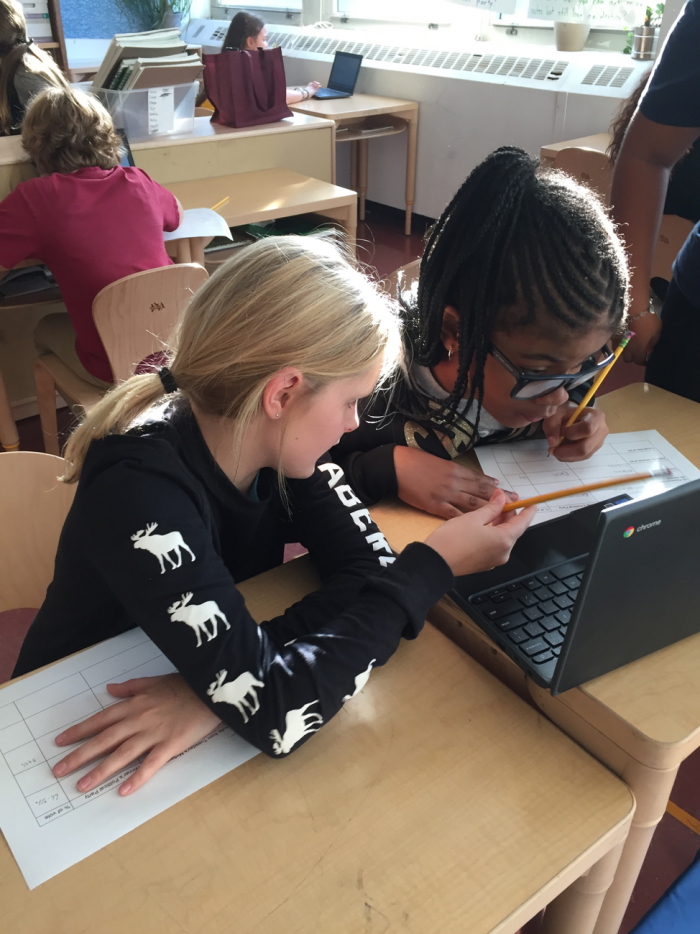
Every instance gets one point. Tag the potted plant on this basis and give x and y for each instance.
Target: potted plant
(155, 14)
(642, 40)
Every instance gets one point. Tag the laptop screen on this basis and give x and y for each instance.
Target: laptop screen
(346, 68)
(125, 157)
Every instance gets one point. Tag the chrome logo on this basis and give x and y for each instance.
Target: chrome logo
(628, 532)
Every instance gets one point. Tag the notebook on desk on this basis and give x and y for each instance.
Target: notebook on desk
(344, 73)
(594, 590)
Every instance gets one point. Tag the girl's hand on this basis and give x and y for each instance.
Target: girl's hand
(162, 717)
(647, 331)
(581, 439)
(440, 486)
(312, 87)
(479, 540)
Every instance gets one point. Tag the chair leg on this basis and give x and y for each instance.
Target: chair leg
(46, 397)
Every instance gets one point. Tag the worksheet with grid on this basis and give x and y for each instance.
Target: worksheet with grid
(525, 468)
(48, 823)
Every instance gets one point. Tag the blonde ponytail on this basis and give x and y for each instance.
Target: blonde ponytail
(283, 301)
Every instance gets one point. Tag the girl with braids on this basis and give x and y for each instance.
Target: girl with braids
(522, 286)
(192, 478)
(25, 69)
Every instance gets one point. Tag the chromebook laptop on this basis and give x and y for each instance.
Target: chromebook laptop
(594, 590)
(125, 157)
(346, 68)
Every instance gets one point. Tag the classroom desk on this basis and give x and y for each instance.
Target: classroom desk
(357, 120)
(642, 720)
(300, 143)
(419, 808)
(269, 194)
(599, 142)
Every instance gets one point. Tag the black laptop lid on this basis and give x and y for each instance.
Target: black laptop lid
(641, 589)
(346, 68)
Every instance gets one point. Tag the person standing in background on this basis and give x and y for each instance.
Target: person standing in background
(25, 69)
(664, 127)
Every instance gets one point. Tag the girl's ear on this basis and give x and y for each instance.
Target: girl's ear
(284, 386)
(449, 333)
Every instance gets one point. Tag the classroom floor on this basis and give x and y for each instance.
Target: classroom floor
(383, 245)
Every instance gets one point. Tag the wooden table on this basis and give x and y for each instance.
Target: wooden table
(642, 720)
(435, 801)
(599, 142)
(301, 143)
(357, 120)
(269, 194)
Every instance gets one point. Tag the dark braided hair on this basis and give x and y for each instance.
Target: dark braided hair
(514, 233)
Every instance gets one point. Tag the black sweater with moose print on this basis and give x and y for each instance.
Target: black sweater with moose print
(158, 536)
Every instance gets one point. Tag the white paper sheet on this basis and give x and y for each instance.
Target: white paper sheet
(49, 825)
(523, 466)
(199, 222)
(161, 110)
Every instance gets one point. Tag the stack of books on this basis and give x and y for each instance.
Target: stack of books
(154, 59)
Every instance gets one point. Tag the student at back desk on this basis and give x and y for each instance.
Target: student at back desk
(89, 219)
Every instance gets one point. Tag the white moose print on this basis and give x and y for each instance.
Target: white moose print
(360, 681)
(197, 616)
(297, 724)
(236, 692)
(161, 545)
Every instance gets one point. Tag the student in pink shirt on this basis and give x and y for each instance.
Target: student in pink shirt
(89, 219)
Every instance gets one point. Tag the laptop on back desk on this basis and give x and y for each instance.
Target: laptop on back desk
(346, 68)
(596, 589)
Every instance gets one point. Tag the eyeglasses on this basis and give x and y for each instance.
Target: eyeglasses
(528, 386)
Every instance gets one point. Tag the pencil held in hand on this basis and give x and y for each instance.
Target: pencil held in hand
(664, 472)
(626, 338)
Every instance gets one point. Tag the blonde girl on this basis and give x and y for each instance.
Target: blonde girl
(25, 69)
(193, 478)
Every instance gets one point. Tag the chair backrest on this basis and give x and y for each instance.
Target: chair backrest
(588, 166)
(673, 233)
(33, 508)
(135, 316)
(402, 278)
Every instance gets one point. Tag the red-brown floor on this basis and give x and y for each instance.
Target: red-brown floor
(382, 244)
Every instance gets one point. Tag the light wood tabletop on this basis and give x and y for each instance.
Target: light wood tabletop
(641, 720)
(434, 801)
(598, 141)
(269, 194)
(357, 120)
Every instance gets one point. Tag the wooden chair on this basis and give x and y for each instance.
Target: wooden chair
(33, 508)
(588, 166)
(134, 317)
(402, 278)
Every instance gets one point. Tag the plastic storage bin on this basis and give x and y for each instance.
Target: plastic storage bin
(152, 111)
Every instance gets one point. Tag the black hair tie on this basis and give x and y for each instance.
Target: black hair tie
(168, 380)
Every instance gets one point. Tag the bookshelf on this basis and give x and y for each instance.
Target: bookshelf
(51, 39)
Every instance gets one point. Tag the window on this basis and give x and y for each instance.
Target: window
(282, 6)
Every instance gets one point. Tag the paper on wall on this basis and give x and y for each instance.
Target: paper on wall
(523, 466)
(49, 825)
(615, 13)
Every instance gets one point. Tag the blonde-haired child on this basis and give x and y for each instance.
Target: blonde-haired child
(191, 479)
(89, 219)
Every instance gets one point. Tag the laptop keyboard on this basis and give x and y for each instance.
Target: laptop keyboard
(534, 612)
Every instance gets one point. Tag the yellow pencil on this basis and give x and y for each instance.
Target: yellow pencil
(627, 337)
(220, 204)
(600, 485)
